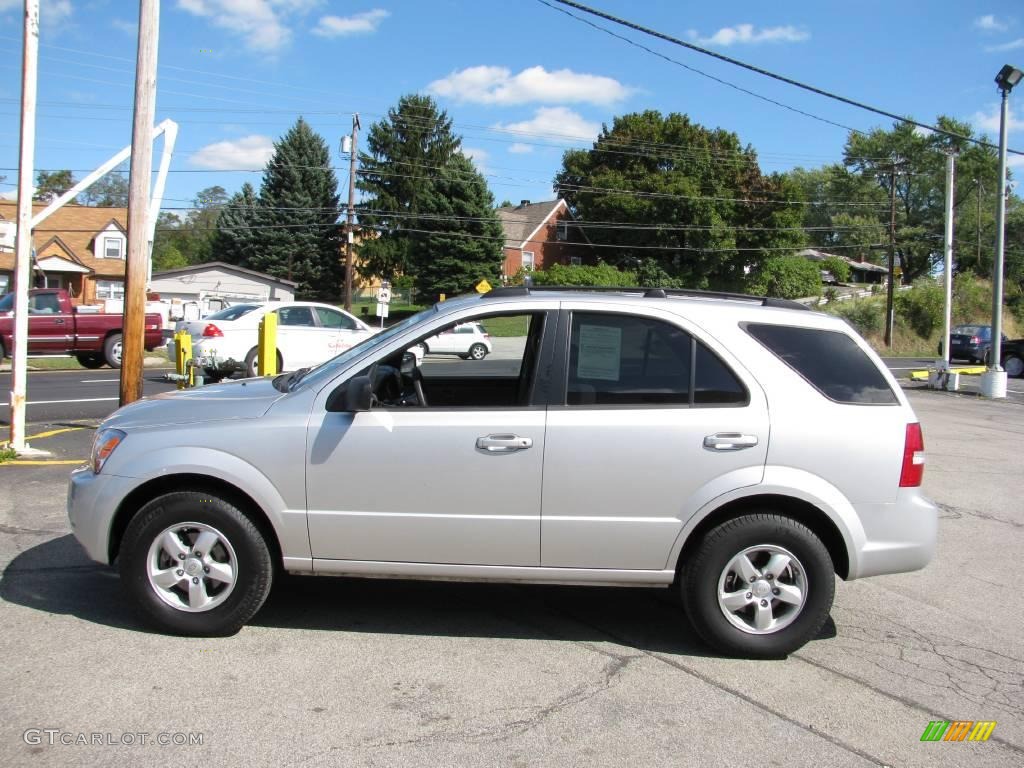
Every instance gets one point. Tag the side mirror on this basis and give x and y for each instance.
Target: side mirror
(353, 396)
(408, 364)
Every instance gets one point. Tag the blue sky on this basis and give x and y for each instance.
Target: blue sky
(521, 81)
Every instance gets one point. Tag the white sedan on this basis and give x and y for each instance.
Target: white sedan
(467, 340)
(307, 335)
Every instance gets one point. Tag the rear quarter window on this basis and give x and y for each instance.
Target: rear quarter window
(830, 361)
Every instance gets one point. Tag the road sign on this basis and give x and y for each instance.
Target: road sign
(382, 309)
(384, 293)
(483, 286)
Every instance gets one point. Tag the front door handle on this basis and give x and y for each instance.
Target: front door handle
(59, 321)
(503, 443)
(729, 441)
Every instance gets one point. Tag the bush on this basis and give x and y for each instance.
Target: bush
(922, 307)
(831, 294)
(786, 277)
(865, 315)
(839, 268)
(972, 299)
(603, 275)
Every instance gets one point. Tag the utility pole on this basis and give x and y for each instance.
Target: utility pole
(948, 254)
(351, 211)
(977, 262)
(23, 243)
(137, 266)
(892, 255)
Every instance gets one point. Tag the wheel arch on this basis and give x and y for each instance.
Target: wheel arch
(801, 510)
(158, 486)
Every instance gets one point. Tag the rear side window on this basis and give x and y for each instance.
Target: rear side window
(830, 361)
(232, 313)
(629, 360)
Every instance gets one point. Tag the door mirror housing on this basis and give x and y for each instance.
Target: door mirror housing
(408, 364)
(353, 396)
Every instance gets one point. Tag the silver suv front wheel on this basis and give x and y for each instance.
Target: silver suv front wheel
(195, 564)
(760, 585)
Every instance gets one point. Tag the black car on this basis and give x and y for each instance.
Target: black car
(969, 342)
(1012, 354)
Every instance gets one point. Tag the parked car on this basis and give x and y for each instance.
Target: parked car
(969, 342)
(627, 445)
(467, 340)
(307, 334)
(1012, 357)
(57, 328)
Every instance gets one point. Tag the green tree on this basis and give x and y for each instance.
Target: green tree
(110, 191)
(53, 184)
(237, 227)
(464, 244)
(787, 277)
(839, 268)
(300, 238)
(407, 150)
(705, 211)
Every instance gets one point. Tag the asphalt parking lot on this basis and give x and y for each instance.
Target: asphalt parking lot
(396, 673)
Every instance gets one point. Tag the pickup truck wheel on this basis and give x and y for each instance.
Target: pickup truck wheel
(758, 586)
(89, 361)
(1013, 366)
(252, 361)
(112, 350)
(195, 564)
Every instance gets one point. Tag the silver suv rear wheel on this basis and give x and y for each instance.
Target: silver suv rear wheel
(762, 589)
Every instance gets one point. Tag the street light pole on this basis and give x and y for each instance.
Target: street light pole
(993, 381)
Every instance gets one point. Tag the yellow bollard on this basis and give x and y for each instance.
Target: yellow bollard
(182, 355)
(267, 365)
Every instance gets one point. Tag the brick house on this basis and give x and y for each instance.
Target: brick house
(79, 248)
(538, 235)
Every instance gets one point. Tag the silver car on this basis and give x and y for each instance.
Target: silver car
(740, 452)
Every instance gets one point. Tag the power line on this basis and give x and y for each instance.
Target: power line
(765, 72)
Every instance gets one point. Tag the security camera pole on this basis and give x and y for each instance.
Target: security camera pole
(993, 381)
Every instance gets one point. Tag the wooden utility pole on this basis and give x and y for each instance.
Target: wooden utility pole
(977, 263)
(23, 242)
(350, 235)
(892, 255)
(137, 267)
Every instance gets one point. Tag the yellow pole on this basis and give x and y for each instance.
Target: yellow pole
(182, 354)
(267, 365)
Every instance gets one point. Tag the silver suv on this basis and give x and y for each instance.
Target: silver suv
(738, 451)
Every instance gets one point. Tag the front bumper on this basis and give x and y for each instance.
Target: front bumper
(92, 503)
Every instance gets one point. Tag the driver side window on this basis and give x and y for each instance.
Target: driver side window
(485, 362)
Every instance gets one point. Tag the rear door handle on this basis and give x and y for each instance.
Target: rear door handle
(503, 443)
(729, 441)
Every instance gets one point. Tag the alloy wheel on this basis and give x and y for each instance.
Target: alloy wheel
(762, 589)
(192, 567)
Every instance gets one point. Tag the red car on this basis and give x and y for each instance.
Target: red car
(57, 328)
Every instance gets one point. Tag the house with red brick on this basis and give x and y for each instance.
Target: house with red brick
(538, 235)
(79, 248)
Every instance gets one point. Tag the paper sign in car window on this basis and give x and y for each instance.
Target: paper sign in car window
(600, 351)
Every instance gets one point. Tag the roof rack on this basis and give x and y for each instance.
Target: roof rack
(647, 293)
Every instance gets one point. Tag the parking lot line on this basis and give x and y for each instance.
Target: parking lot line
(41, 435)
(39, 462)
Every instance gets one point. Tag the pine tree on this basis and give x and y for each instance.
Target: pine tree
(236, 227)
(465, 243)
(299, 237)
(407, 151)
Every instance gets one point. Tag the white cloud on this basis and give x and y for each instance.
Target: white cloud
(263, 24)
(51, 12)
(990, 23)
(247, 152)
(1010, 46)
(497, 85)
(988, 122)
(1015, 161)
(520, 149)
(358, 24)
(924, 133)
(747, 34)
(560, 122)
(128, 27)
(478, 156)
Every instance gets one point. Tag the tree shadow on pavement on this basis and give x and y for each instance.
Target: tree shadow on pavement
(56, 577)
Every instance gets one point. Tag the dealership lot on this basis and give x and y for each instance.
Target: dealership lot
(390, 673)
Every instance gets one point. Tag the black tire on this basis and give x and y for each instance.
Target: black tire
(89, 361)
(254, 568)
(251, 363)
(1014, 363)
(213, 376)
(477, 352)
(699, 579)
(112, 350)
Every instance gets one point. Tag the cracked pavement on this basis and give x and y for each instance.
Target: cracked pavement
(396, 673)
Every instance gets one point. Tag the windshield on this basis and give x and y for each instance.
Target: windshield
(327, 370)
(971, 330)
(7, 303)
(232, 313)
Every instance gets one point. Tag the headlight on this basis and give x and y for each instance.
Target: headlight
(103, 445)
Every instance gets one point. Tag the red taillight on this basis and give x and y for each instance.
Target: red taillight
(975, 340)
(212, 330)
(913, 457)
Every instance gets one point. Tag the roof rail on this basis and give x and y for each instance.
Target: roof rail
(647, 293)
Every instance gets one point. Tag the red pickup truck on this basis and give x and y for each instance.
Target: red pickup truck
(56, 328)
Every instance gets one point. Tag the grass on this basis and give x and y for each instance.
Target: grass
(7, 454)
(507, 326)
